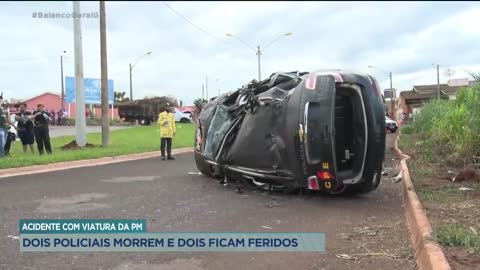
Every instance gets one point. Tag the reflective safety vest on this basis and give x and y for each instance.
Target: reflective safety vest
(167, 124)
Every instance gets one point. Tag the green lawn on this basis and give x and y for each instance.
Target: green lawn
(125, 141)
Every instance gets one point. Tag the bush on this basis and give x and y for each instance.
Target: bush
(94, 122)
(452, 128)
(408, 129)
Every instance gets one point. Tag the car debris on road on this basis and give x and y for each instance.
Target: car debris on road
(398, 178)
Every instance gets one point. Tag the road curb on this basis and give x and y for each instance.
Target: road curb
(4, 173)
(428, 253)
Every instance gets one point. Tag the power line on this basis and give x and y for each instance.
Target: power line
(190, 22)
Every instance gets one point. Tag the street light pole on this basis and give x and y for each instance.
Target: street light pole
(438, 81)
(206, 86)
(391, 87)
(131, 90)
(61, 78)
(131, 66)
(393, 97)
(259, 53)
(80, 121)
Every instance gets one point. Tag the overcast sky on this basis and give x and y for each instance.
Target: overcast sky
(404, 37)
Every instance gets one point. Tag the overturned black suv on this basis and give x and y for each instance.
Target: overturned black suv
(320, 131)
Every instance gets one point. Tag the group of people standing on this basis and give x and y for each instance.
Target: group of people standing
(31, 127)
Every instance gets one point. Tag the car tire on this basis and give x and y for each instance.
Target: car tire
(393, 130)
(352, 190)
(184, 120)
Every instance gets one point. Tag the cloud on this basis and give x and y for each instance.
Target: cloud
(402, 37)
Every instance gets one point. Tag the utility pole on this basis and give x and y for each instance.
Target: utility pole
(259, 53)
(206, 86)
(438, 81)
(80, 123)
(392, 97)
(104, 75)
(391, 84)
(61, 77)
(131, 91)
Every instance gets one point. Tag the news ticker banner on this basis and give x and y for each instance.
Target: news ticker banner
(95, 235)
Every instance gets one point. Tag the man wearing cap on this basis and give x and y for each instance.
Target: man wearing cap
(42, 136)
(25, 128)
(4, 126)
(167, 131)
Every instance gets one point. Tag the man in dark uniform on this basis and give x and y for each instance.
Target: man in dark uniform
(25, 128)
(42, 136)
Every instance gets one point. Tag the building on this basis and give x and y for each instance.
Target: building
(411, 101)
(53, 101)
(187, 109)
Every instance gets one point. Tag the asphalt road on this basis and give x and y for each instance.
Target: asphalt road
(370, 227)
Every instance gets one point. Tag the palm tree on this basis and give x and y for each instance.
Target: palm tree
(120, 97)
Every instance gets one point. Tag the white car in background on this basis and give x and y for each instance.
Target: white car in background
(391, 125)
(182, 117)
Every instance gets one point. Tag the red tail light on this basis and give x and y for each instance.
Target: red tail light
(313, 183)
(325, 175)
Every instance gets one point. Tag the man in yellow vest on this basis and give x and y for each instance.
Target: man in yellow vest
(167, 131)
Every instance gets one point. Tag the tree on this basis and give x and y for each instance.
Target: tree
(199, 103)
(181, 103)
(120, 97)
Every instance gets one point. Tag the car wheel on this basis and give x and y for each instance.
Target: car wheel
(393, 130)
(365, 187)
(184, 120)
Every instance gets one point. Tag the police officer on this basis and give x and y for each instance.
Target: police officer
(167, 131)
(25, 128)
(42, 136)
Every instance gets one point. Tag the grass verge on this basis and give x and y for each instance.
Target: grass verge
(456, 235)
(452, 211)
(122, 142)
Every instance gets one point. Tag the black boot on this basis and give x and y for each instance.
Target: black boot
(171, 158)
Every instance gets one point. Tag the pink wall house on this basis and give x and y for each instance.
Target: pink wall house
(53, 101)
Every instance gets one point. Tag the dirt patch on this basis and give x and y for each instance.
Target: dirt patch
(451, 206)
(74, 146)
